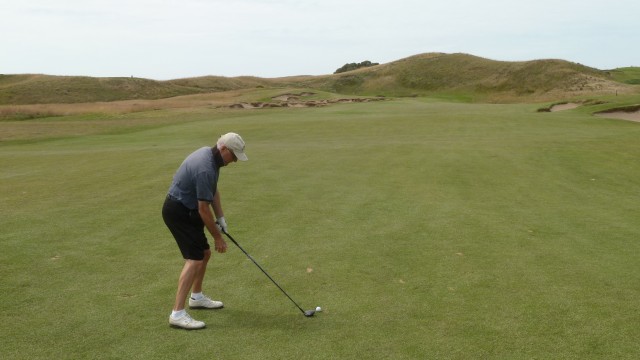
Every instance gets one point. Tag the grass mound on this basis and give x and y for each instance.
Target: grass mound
(459, 77)
(627, 75)
(472, 78)
(46, 89)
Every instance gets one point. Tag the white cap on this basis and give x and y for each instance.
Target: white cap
(234, 143)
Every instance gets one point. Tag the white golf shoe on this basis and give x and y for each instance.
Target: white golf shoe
(186, 322)
(205, 303)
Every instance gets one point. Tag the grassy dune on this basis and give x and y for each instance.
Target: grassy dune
(460, 76)
(44, 89)
(479, 79)
(628, 75)
(425, 229)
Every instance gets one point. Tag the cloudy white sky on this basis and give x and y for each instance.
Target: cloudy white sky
(169, 39)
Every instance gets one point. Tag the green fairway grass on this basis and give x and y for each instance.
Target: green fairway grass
(424, 229)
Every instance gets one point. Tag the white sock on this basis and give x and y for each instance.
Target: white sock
(197, 296)
(178, 314)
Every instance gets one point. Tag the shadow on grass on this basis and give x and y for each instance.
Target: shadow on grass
(236, 318)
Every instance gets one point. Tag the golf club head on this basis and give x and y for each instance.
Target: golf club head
(309, 313)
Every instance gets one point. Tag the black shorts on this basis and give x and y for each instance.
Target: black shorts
(187, 228)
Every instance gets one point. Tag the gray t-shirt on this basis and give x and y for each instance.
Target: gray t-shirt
(196, 179)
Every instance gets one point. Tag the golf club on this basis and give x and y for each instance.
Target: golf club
(306, 313)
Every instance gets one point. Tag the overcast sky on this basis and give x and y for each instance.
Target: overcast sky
(173, 39)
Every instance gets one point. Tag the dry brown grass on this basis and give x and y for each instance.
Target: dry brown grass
(34, 111)
(42, 121)
(48, 128)
(113, 107)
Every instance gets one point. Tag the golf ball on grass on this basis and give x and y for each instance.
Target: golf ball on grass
(318, 309)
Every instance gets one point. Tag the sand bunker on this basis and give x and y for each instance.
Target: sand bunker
(561, 107)
(622, 115)
(631, 113)
(295, 101)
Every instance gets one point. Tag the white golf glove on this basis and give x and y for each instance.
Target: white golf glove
(222, 224)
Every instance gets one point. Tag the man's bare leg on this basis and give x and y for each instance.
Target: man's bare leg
(189, 273)
(199, 276)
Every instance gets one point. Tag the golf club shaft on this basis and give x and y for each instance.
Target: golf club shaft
(261, 269)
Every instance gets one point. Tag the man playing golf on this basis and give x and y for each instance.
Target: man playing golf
(187, 211)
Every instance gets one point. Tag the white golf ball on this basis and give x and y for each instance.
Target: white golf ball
(318, 308)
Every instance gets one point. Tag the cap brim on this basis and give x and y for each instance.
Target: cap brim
(241, 156)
